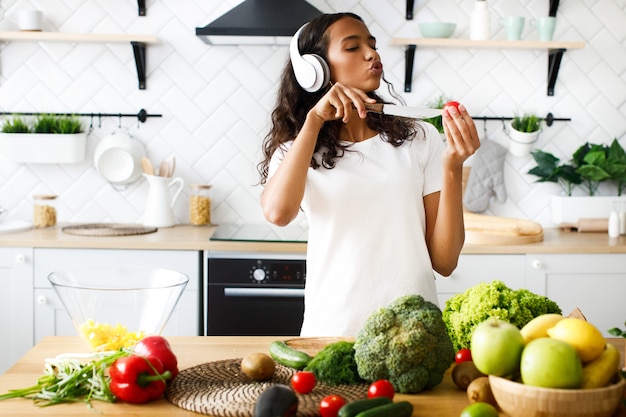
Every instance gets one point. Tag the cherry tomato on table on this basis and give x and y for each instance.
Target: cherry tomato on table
(463, 355)
(330, 405)
(303, 382)
(381, 388)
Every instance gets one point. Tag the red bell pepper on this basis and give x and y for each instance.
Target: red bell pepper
(158, 347)
(136, 379)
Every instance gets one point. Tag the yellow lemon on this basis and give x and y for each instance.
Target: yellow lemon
(582, 335)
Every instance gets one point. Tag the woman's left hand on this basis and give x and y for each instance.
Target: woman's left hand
(461, 135)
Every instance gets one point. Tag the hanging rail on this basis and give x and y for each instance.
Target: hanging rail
(549, 119)
(142, 116)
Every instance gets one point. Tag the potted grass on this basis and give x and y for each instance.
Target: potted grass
(523, 133)
(49, 139)
(590, 166)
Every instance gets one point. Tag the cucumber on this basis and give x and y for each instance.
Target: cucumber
(288, 356)
(399, 409)
(355, 407)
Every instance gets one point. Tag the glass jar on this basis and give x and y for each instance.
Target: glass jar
(44, 211)
(200, 204)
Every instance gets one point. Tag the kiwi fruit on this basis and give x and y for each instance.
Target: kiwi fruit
(479, 391)
(464, 373)
(258, 366)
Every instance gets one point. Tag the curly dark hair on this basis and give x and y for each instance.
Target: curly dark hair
(293, 104)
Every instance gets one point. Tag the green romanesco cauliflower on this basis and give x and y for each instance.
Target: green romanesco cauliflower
(405, 343)
(482, 301)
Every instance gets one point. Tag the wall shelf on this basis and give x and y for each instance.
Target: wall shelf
(555, 52)
(138, 43)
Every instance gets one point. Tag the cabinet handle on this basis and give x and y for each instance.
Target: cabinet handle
(42, 299)
(537, 264)
(20, 257)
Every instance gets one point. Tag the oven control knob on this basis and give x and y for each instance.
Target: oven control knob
(259, 274)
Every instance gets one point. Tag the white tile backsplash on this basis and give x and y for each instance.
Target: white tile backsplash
(215, 100)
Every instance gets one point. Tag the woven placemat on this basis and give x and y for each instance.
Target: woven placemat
(221, 389)
(107, 229)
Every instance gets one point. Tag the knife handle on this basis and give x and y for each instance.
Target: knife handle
(375, 107)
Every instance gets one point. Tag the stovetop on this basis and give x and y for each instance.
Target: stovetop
(260, 233)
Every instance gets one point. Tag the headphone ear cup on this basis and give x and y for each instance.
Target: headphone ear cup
(311, 71)
(322, 72)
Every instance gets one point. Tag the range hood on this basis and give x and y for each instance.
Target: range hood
(259, 22)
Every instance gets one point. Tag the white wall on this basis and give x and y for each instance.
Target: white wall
(215, 100)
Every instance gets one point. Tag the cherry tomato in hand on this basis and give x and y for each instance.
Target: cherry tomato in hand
(463, 355)
(330, 405)
(454, 104)
(381, 388)
(303, 382)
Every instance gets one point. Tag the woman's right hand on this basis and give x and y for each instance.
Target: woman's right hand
(342, 102)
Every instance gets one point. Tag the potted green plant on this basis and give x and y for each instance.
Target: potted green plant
(48, 139)
(590, 166)
(523, 133)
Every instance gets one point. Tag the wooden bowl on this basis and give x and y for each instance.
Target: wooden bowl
(519, 400)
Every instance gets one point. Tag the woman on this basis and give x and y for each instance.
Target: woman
(382, 194)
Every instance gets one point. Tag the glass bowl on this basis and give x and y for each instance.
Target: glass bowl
(114, 307)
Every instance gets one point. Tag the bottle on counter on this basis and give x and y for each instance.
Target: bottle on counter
(200, 204)
(480, 21)
(614, 224)
(44, 211)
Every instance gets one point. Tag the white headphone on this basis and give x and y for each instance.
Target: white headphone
(311, 71)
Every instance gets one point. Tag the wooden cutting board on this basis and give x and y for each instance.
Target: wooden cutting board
(493, 230)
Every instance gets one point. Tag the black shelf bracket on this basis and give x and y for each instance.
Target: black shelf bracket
(409, 61)
(409, 9)
(554, 6)
(139, 50)
(141, 5)
(554, 64)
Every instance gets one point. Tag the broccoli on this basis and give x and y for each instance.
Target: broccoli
(335, 365)
(482, 301)
(405, 343)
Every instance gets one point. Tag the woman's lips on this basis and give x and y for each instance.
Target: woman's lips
(377, 68)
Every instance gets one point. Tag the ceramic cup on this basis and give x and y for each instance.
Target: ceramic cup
(29, 20)
(545, 27)
(514, 25)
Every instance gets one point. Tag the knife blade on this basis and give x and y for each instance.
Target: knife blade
(403, 111)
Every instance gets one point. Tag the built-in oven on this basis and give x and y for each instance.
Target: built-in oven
(254, 293)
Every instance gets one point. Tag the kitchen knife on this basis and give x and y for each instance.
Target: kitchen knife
(403, 111)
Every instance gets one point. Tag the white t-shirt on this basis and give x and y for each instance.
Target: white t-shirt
(366, 243)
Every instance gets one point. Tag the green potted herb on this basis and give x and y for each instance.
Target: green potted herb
(46, 139)
(590, 166)
(523, 133)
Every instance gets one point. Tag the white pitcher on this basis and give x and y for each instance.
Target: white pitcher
(160, 202)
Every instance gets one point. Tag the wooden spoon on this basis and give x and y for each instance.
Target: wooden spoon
(147, 166)
(172, 166)
(164, 169)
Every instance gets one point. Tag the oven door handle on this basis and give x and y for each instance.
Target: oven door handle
(264, 292)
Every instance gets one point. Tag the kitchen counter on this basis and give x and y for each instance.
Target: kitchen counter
(186, 237)
(443, 401)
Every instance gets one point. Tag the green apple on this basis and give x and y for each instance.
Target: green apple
(551, 363)
(496, 347)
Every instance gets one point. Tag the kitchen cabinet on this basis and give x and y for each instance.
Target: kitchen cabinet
(138, 43)
(595, 283)
(474, 269)
(50, 317)
(16, 280)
